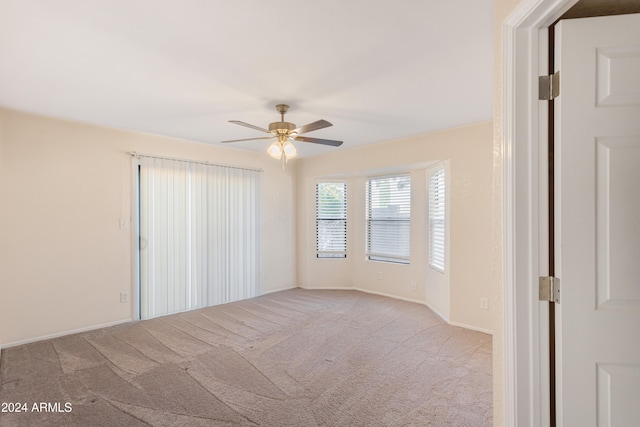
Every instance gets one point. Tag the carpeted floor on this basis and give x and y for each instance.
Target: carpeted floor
(292, 358)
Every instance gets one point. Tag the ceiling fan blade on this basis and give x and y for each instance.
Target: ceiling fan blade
(320, 124)
(248, 139)
(238, 122)
(331, 142)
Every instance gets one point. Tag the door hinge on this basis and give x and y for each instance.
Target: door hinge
(549, 289)
(549, 87)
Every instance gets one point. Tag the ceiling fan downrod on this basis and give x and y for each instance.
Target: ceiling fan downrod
(282, 127)
(282, 109)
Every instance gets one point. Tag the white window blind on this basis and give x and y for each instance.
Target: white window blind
(388, 217)
(199, 235)
(331, 219)
(437, 219)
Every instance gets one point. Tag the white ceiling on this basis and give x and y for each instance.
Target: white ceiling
(378, 70)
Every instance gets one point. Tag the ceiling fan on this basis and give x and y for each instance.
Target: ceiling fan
(286, 132)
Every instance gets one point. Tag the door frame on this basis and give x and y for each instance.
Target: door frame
(525, 225)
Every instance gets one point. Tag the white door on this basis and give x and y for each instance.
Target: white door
(597, 158)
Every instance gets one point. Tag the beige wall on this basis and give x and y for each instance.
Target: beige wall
(468, 150)
(64, 187)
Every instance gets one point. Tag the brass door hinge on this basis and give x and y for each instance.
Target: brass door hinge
(549, 289)
(549, 87)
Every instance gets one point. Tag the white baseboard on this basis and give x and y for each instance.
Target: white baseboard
(443, 317)
(270, 291)
(328, 288)
(62, 334)
(382, 294)
(473, 328)
(368, 291)
(436, 311)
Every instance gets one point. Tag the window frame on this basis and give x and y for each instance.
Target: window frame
(395, 257)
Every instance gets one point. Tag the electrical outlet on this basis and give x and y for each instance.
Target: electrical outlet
(124, 296)
(484, 303)
(380, 275)
(413, 286)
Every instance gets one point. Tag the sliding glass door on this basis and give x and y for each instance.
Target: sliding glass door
(199, 237)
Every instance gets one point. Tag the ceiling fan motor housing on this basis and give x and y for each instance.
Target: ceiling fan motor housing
(278, 128)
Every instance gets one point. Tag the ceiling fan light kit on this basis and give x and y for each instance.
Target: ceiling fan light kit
(289, 149)
(275, 150)
(282, 147)
(286, 132)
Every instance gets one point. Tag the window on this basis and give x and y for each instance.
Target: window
(437, 218)
(331, 219)
(388, 216)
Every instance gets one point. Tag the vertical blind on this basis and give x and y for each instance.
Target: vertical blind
(199, 236)
(437, 218)
(388, 218)
(331, 220)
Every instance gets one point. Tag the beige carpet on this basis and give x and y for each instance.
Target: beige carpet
(292, 358)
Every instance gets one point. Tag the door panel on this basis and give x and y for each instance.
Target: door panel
(618, 227)
(617, 395)
(597, 220)
(618, 76)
